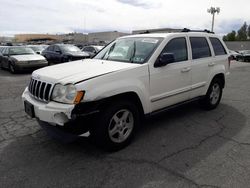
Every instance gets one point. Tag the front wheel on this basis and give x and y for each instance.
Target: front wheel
(116, 126)
(213, 95)
(12, 68)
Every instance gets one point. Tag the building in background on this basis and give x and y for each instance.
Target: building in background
(6, 40)
(74, 38)
(36, 38)
(104, 37)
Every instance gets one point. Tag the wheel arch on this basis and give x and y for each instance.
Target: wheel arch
(129, 96)
(220, 76)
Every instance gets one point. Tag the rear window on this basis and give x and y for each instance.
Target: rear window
(200, 47)
(217, 46)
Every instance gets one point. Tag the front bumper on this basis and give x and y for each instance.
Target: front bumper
(64, 118)
(52, 112)
(25, 66)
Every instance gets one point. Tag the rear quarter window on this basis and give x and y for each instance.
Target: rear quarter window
(217, 46)
(200, 47)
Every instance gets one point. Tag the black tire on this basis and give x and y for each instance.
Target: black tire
(12, 68)
(101, 132)
(212, 98)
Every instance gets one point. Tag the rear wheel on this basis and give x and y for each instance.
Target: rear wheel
(213, 96)
(116, 126)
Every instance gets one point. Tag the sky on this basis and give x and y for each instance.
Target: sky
(64, 16)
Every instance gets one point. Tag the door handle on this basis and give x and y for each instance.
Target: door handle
(211, 64)
(187, 69)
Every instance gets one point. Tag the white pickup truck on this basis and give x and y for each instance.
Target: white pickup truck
(133, 76)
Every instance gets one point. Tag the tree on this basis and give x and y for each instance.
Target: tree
(230, 36)
(248, 31)
(242, 32)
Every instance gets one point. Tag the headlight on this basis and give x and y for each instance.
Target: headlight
(67, 94)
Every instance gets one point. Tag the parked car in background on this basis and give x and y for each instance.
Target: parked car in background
(17, 58)
(243, 55)
(233, 54)
(59, 53)
(92, 50)
(37, 48)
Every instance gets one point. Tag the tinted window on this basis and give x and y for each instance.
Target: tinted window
(56, 49)
(217, 46)
(200, 47)
(178, 47)
(50, 48)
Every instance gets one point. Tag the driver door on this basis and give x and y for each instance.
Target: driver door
(170, 84)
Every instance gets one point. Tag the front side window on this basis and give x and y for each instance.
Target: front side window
(177, 47)
(217, 46)
(132, 50)
(200, 47)
(50, 48)
(57, 49)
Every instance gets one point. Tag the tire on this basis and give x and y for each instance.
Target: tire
(213, 95)
(116, 126)
(12, 68)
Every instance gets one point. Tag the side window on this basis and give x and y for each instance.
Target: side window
(200, 47)
(217, 46)
(56, 49)
(178, 47)
(50, 48)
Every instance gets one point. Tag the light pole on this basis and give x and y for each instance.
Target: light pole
(212, 11)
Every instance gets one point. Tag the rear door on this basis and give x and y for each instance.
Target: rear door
(201, 61)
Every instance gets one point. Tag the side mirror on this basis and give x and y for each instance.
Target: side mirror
(164, 59)
(38, 52)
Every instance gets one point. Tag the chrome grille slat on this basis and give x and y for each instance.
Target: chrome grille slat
(44, 91)
(40, 90)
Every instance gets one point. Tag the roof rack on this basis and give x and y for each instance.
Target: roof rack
(189, 30)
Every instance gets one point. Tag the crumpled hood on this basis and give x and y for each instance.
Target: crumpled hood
(76, 71)
(30, 57)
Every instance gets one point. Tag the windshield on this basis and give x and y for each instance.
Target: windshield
(133, 50)
(37, 48)
(20, 51)
(70, 48)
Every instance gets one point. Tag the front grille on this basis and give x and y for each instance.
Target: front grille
(40, 90)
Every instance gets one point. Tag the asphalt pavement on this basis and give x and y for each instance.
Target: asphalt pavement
(184, 147)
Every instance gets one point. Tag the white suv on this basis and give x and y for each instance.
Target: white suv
(133, 76)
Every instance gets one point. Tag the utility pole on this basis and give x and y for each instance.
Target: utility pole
(212, 11)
